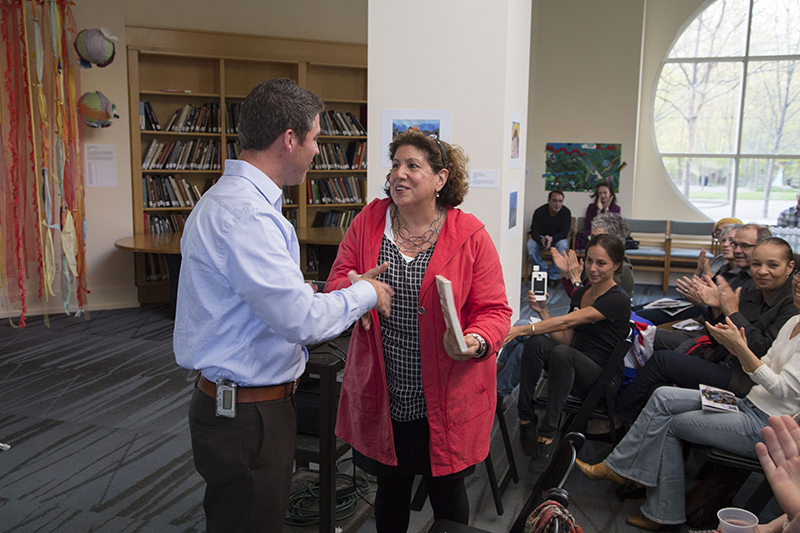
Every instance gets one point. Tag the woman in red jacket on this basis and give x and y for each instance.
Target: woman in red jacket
(412, 402)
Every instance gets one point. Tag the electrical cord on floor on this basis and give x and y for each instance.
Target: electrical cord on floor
(304, 504)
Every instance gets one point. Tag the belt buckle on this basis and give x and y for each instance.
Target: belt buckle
(294, 385)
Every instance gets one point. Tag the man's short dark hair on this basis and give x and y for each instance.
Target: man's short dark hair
(273, 107)
(555, 191)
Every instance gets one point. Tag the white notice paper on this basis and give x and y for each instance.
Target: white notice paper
(484, 179)
(101, 165)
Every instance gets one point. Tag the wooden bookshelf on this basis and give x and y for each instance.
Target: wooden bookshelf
(173, 68)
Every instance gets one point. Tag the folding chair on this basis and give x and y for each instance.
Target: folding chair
(553, 479)
(554, 476)
(599, 403)
(763, 493)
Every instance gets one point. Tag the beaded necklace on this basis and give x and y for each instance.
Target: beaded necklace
(414, 244)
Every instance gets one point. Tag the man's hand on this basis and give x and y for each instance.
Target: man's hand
(707, 290)
(728, 298)
(384, 291)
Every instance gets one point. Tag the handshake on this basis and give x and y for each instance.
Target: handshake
(384, 291)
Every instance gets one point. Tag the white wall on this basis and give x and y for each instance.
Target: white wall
(584, 87)
(327, 20)
(654, 194)
(468, 57)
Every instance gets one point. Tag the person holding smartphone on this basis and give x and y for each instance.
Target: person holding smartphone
(576, 349)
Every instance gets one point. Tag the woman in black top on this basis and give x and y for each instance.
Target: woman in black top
(576, 350)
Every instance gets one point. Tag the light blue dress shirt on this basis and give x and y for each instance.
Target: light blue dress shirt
(244, 311)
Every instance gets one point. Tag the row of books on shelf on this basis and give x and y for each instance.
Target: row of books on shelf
(339, 190)
(333, 122)
(287, 195)
(164, 223)
(195, 154)
(147, 117)
(291, 216)
(194, 119)
(234, 150)
(334, 156)
(156, 267)
(334, 218)
(168, 191)
(232, 117)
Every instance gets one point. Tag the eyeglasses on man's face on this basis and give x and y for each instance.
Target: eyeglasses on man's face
(796, 275)
(743, 245)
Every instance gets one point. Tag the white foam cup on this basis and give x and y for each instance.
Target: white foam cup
(735, 520)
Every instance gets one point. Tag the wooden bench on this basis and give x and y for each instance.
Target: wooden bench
(668, 246)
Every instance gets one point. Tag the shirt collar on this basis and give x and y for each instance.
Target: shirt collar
(261, 181)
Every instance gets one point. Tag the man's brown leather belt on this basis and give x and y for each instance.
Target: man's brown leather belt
(251, 394)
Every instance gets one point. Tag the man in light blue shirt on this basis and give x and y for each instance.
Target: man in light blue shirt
(244, 313)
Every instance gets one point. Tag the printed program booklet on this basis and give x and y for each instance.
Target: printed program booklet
(714, 399)
(445, 288)
(669, 306)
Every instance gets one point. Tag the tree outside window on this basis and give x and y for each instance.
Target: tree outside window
(726, 112)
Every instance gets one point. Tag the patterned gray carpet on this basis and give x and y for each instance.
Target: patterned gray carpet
(95, 412)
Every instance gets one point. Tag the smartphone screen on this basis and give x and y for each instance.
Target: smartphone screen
(539, 286)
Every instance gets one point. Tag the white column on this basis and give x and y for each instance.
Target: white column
(472, 58)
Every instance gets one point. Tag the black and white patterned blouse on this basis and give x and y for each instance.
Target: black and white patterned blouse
(400, 331)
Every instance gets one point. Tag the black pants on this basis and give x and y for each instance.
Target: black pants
(246, 462)
(668, 368)
(448, 494)
(568, 371)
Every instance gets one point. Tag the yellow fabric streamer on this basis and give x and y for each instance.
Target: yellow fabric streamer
(49, 270)
(69, 243)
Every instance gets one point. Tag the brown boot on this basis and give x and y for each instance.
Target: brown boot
(599, 472)
(642, 522)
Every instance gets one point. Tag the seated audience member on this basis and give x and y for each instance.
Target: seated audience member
(572, 274)
(605, 201)
(652, 451)
(745, 241)
(550, 226)
(790, 218)
(571, 269)
(724, 232)
(760, 312)
(780, 459)
(578, 346)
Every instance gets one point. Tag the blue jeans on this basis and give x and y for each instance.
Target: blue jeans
(652, 453)
(509, 357)
(666, 368)
(535, 256)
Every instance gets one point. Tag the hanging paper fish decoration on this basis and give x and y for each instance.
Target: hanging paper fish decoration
(96, 109)
(95, 46)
